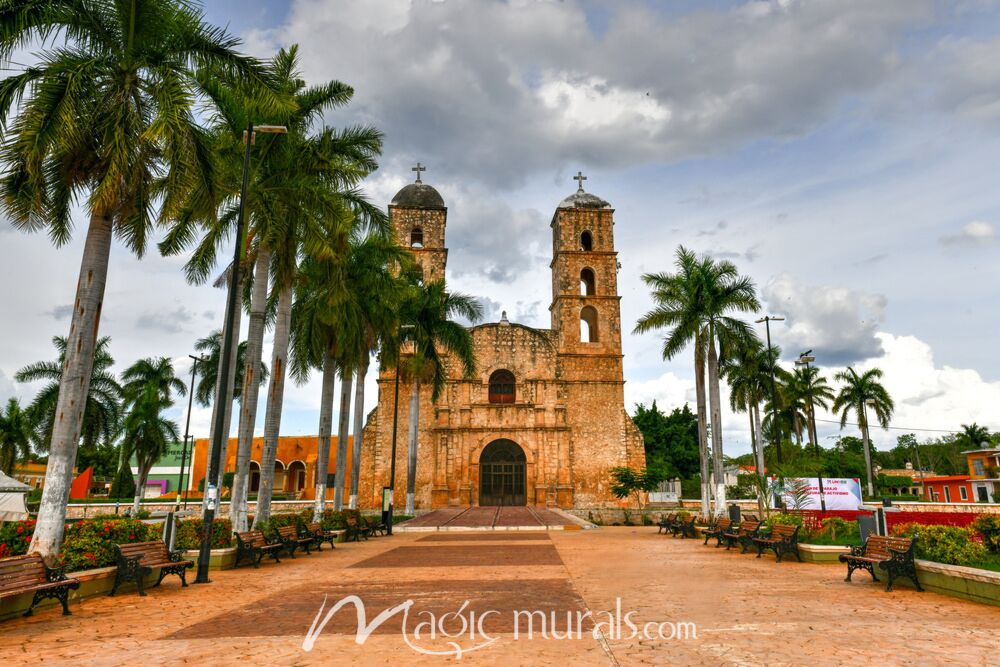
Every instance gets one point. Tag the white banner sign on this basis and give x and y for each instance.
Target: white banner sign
(841, 493)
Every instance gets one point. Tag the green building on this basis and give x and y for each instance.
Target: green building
(165, 475)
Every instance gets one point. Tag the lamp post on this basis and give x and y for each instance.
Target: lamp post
(187, 431)
(224, 392)
(866, 432)
(767, 319)
(395, 424)
(804, 360)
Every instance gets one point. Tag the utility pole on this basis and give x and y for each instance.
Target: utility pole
(767, 319)
(187, 431)
(804, 360)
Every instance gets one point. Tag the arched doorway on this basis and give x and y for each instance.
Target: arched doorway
(295, 477)
(254, 477)
(502, 474)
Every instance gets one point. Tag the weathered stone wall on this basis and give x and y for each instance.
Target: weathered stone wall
(568, 415)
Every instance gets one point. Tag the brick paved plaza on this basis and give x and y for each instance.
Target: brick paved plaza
(747, 611)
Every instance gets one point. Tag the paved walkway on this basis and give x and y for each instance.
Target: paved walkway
(497, 518)
(747, 611)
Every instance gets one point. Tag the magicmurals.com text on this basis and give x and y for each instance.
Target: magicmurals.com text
(465, 630)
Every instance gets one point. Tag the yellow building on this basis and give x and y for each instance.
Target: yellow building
(984, 470)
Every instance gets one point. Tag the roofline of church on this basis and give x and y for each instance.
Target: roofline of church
(580, 208)
(539, 332)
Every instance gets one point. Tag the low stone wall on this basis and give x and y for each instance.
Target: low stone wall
(84, 510)
(903, 506)
(968, 583)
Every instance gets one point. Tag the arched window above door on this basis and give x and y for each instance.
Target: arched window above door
(588, 325)
(417, 238)
(586, 242)
(588, 284)
(502, 387)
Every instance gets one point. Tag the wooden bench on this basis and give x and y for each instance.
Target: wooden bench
(376, 526)
(139, 559)
(253, 545)
(291, 540)
(684, 527)
(356, 530)
(30, 574)
(744, 535)
(666, 521)
(894, 555)
(722, 525)
(782, 539)
(322, 535)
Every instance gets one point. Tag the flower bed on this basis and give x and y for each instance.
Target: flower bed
(190, 533)
(87, 544)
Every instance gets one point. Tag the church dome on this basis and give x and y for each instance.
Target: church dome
(581, 199)
(418, 195)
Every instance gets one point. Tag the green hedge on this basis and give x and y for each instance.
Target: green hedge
(944, 544)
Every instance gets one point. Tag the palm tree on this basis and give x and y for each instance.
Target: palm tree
(343, 305)
(106, 112)
(207, 378)
(695, 304)
(858, 394)
(101, 414)
(15, 436)
(146, 433)
(153, 374)
(811, 389)
(974, 435)
(428, 311)
(748, 373)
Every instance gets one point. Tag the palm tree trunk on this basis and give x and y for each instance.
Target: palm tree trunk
(224, 401)
(868, 452)
(251, 392)
(359, 425)
(760, 440)
(411, 466)
(346, 379)
(275, 397)
(715, 405)
(699, 390)
(753, 433)
(325, 427)
(73, 387)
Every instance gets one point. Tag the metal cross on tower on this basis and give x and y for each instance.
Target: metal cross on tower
(419, 168)
(580, 178)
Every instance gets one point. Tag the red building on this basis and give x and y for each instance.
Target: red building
(949, 489)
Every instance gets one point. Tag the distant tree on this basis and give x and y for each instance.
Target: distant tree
(15, 435)
(861, 391)
(973, 435)
(123, 485)
(627, 482)
(671, 440)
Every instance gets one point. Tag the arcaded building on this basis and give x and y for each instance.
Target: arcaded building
(543, 420)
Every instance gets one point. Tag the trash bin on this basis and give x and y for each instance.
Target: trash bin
(866, 526)
(734, 513)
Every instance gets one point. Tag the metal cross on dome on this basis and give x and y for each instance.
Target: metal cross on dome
(419, 168)
(580, 178)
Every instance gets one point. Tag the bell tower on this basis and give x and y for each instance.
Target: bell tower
(418, 215)
(585, 308)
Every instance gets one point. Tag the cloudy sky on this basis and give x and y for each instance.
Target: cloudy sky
(842, 153)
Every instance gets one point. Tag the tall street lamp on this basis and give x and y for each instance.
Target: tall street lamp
(187, 431)
(395, 424)
(224, 392)
(804, 360)
(767, 319)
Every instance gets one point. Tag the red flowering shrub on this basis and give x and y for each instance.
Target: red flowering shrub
(86, 544)
(191, 531)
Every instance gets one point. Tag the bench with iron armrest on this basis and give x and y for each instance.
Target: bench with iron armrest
(138, 560)
(894, 555)
(721, 526)
(376, 526)
(30, 574)
(684, 527)
(356, 530)
(744, 535)
(666, 521)
(291, 540)
(783, 539)
(322, 535)
(253, 545)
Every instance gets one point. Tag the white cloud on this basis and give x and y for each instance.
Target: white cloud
(838, 324)
(974, 233)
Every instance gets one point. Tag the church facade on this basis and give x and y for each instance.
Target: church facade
(543, 419)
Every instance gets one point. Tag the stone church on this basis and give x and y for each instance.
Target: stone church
(544, 419)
